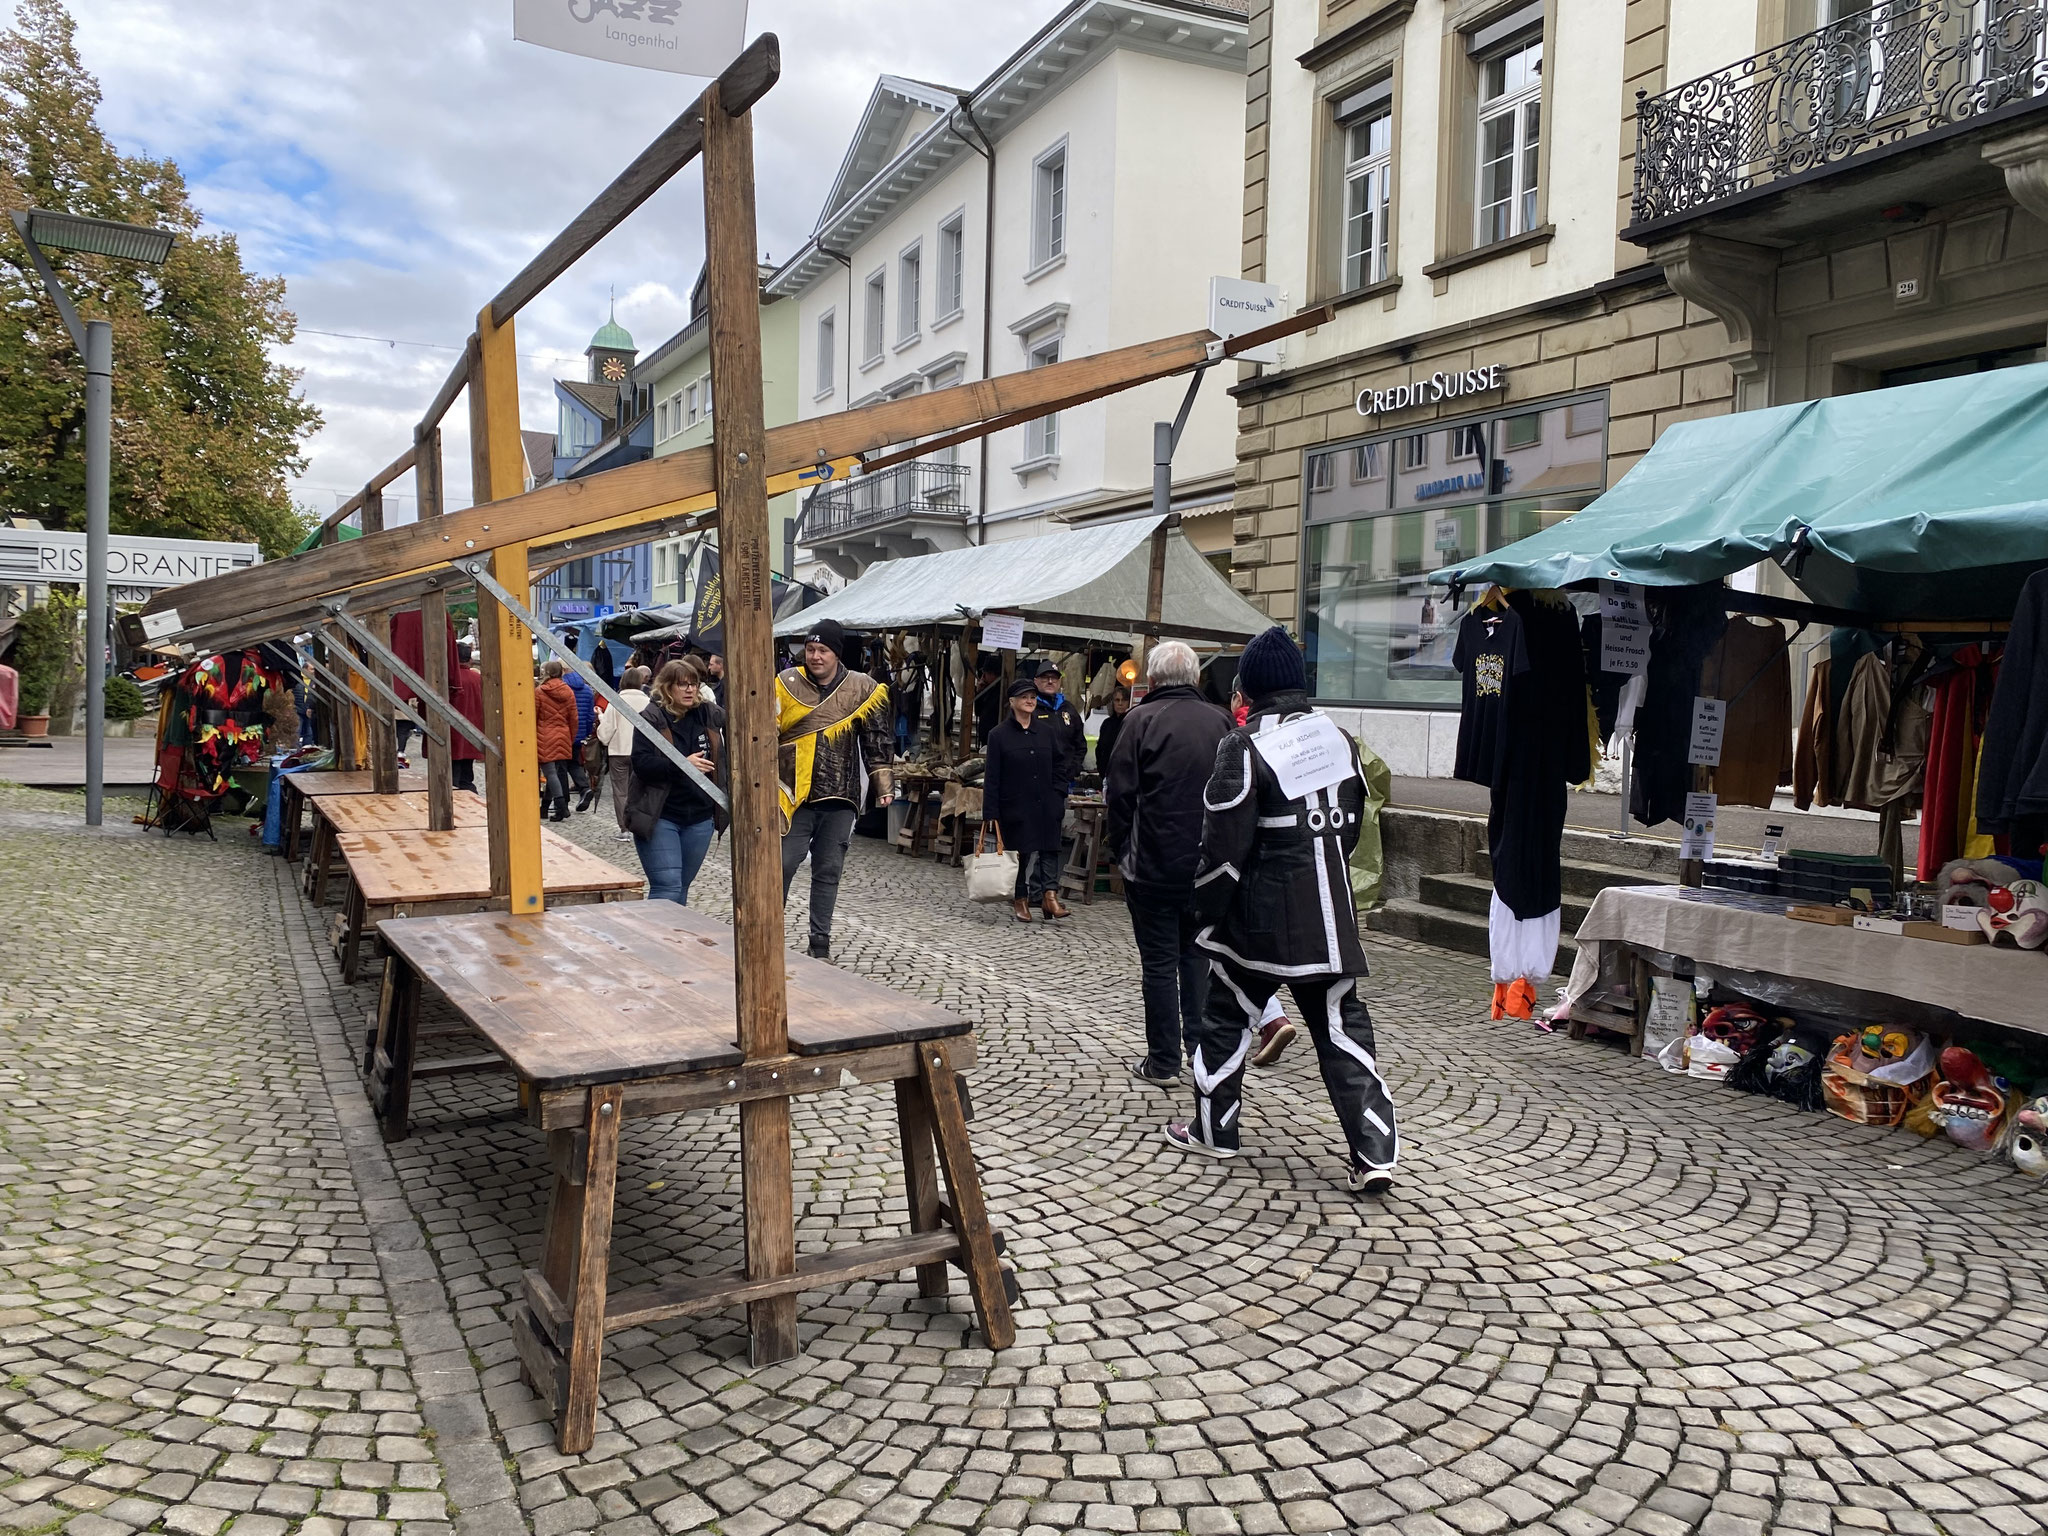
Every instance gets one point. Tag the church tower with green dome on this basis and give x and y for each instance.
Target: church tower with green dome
(611, 351)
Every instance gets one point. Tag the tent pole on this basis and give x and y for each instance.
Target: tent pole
(426, 465)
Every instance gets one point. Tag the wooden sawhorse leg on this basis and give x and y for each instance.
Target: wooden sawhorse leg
(394, 1047)
(352, 932)
(292, 807)
(576, 1267)
(920, 1175)
(319, 859)
(987, 1280)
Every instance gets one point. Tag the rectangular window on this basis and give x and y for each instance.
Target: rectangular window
(952, 266)
(909, 292)
(1510, 135)
(661, 422)
(706, 385)
(1586, 417)
(1467, 443)
(1524, 431)
(871, 339)
(828, 352)
(1415, 451)
(1368, 190)
(1322, 471)
(1049, 207)
(690, 411)
(1042, 437)
(1368, 463)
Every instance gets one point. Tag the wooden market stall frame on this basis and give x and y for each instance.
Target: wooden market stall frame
(493, 546)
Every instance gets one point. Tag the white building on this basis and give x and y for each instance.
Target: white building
(1078, 200)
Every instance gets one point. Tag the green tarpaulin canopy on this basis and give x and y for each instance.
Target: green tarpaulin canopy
(1924, 501)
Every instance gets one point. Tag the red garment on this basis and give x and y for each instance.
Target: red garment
(467, 684)
(10, 694)
(408, 647)
(554, 721)
(1951, 754)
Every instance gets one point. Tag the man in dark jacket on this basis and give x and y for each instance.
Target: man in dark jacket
(1153, 785)
(1069, 723)
(1284, 807)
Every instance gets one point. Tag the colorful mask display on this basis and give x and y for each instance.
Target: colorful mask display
(1970, 882)
(2025, 1142)
(1869, 1076)
(1968, 1100)
(2016, 914)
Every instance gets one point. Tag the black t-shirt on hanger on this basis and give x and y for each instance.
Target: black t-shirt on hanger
(1491, 655)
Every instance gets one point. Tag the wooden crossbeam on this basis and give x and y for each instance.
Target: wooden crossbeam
(630, 491)
(377, 482)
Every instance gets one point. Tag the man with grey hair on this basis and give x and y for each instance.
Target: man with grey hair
(1153, 786)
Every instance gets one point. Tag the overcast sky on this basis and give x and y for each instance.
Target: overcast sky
(397, 160)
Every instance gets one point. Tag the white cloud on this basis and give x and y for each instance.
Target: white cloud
(398, 160)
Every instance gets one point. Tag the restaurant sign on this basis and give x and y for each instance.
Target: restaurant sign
(39, 556)
(1434, 390)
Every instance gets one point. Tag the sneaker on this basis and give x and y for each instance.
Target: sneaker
(1180, 1135)
(1370, 1181)
(625, 837)
(821, 949)
(1141, 1069)
(1273, 1039)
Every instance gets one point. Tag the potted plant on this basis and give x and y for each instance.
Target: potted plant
(124, 706)
(42, 645)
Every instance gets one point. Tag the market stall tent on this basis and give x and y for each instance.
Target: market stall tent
(1926, 501)
(1087, 583)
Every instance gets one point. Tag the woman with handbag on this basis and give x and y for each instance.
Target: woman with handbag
(672, 820)
(1024, 793)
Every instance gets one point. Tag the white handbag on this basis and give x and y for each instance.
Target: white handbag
(991, 877)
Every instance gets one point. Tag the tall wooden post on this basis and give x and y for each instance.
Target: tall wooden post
(426, 464)
(497, 470)
(970, 657)
(383, 721)
(739, 440)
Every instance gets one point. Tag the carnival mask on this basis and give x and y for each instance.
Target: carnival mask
(2016, 913)
(1969, 882)
(1968, 1100)
(1735, 1025)
(2026, 1139)
(1790, 1059)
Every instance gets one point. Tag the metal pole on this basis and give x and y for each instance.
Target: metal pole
(99, 440)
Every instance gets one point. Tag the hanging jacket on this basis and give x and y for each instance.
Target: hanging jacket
(466, 684)
(1274, 889)
(586, 705)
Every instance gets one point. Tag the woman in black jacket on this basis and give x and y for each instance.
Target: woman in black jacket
(1024, 793)
(671, 818)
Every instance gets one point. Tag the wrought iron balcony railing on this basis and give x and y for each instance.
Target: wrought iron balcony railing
(924, 488)
(1897, 70)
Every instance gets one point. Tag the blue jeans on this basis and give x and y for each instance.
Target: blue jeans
(672, 858)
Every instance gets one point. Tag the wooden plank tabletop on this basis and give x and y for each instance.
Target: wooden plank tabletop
(635, 990)
(396, 813)
(390, 868)
(316, 786)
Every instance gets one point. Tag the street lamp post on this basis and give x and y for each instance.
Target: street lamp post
(94, 339)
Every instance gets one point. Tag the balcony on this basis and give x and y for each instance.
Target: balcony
(917, 508)
(1898, 94)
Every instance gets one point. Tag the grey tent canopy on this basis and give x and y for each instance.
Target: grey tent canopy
(1085, 584)
(1924, 501)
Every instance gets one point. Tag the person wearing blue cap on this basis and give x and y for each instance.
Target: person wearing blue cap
(1282, 814)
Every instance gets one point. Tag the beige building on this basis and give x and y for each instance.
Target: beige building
(1829, 195)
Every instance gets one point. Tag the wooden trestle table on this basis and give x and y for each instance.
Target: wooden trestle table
(612, 1012)
(404, 812)
(411, 873)
(299, 788)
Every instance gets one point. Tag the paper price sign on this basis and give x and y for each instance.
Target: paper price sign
(1449, 534)
(1697, 840)
(1003, 631)
(1709, 723)
(1625, 647)
(1620, 600)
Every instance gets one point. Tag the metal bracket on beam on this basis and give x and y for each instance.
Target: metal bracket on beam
(478, 571)
(341, 653)
(338, 607)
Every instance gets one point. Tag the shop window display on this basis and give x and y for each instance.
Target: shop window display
(1385, 512)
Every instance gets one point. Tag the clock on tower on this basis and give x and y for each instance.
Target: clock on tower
(611, 353)
(614, 369)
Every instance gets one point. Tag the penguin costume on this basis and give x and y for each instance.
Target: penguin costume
(1273, 894)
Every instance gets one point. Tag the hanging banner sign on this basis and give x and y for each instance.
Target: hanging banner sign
(1697, 841)
(684, 37)
(38, 556)
(1002, 631)
(1620, 600)
(1709, 724)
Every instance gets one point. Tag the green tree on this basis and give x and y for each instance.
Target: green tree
(206, 426)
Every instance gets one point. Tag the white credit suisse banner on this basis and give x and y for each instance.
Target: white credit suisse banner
(40, 555)
(684, 37)
(1307, 755)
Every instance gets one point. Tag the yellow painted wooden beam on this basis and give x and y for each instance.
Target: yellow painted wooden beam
(498, 470)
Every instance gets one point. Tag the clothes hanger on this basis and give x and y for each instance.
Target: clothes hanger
(1494, 598)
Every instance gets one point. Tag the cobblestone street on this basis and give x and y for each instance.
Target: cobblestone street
(1599, 1297)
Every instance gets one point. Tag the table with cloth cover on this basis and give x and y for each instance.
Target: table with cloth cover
(1731, 931)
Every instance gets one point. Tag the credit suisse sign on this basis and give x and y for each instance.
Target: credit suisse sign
(1434, 390)
(37, 556)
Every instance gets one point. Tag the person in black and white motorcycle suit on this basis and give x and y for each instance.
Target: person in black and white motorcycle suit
(1273, 893)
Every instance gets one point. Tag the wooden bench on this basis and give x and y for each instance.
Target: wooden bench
(410, 874)
(300, 788)
(607, 1013)
(920, 821)
(1089, 859)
